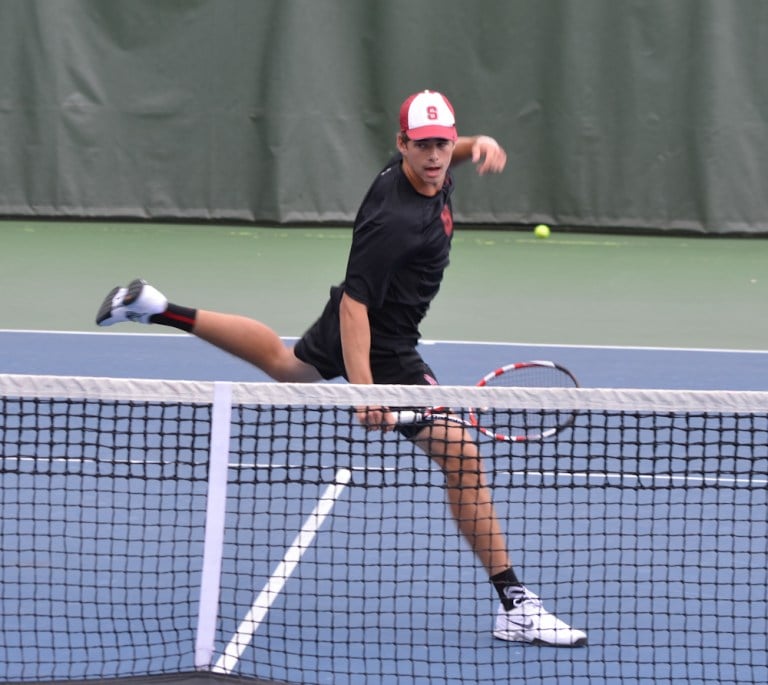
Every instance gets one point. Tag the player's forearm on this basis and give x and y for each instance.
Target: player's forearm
(355, 340)
(462, 151)
(484, 151)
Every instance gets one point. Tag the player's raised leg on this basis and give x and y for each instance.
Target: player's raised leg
(246, 338)
(254, 342)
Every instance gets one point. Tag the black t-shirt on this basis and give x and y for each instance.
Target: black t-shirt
(400, 248)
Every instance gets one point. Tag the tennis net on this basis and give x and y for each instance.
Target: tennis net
(255, 530)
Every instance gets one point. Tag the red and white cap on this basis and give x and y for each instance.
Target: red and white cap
(428, 115)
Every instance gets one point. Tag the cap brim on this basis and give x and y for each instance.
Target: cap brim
(424, 132)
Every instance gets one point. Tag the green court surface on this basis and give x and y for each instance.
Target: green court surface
(502, 285)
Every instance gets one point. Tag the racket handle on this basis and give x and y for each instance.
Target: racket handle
(406, 417)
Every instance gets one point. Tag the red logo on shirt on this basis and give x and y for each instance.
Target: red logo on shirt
(447, 218)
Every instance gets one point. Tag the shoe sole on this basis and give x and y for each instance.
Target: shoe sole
(105, 311)
(581, 642)
(133, 292)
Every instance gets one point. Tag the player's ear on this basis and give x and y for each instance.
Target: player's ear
(401, 141)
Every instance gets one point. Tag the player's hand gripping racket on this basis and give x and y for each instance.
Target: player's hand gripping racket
(518, 425)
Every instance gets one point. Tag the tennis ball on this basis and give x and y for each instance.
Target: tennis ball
(541, 231)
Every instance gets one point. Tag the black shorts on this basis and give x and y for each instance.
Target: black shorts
(320, 347)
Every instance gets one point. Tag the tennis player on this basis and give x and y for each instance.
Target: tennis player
(369, 330)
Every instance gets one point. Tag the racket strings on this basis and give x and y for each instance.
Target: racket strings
(526, 424)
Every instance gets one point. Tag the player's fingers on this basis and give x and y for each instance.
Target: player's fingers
(389, 422)
(372, 418)
(494, 161)
(363, 416)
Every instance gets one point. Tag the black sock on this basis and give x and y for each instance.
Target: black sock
(175, 316)
(508, 587)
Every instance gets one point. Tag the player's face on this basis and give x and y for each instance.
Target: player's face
(426, 162)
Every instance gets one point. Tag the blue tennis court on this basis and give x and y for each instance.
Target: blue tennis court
(461, 363)
(664, 558)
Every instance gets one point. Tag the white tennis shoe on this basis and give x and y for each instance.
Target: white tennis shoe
(136, 302)
(528, 621)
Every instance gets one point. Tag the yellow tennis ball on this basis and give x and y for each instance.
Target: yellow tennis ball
(541, 231)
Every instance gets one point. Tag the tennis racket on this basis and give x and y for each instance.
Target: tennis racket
(518, 425)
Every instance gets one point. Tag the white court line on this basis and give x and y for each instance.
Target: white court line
(426, 341)
(663, 479)
(657, 479)
(250, 624)
(609, 477)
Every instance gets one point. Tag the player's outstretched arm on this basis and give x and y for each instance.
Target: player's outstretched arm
(487, 155)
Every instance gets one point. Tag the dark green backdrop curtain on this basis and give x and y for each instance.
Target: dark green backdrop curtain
(615, 113)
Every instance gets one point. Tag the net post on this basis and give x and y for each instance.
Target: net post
(214, 524)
